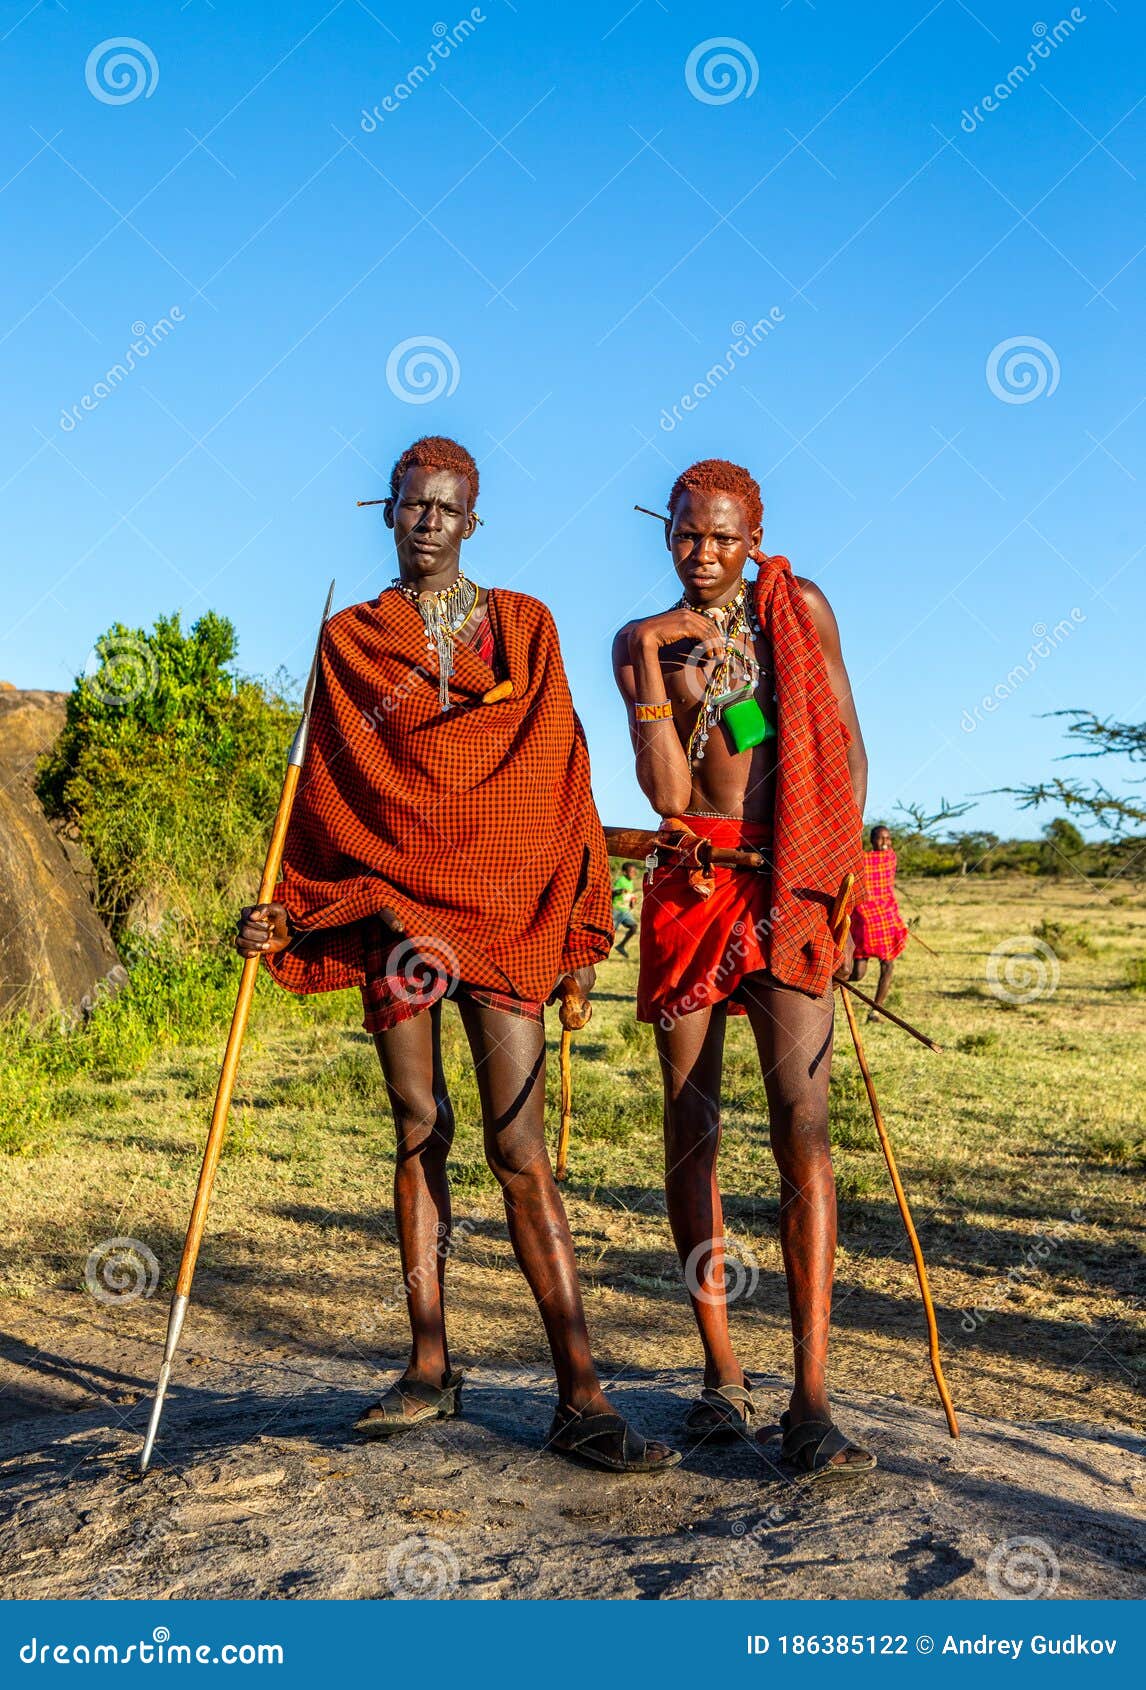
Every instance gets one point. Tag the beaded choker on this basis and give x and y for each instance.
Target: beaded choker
(444, 615)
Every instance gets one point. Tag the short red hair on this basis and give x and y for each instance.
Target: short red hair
(717, 475)
(435, 451)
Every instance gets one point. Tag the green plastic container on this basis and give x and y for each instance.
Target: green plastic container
(747, 724)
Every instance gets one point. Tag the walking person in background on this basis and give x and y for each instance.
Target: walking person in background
(625, 883)
(878, 929)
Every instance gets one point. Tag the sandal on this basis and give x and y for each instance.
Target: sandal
(722, 1413)
(606, 1440)
(394, 1413)
(810, 1447)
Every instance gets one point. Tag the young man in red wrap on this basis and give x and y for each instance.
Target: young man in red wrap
(444, 841)
(878, 929)
(745, 734)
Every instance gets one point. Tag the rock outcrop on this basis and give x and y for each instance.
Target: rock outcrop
(56, 956)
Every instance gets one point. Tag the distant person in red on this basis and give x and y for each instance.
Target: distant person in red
(878, 929)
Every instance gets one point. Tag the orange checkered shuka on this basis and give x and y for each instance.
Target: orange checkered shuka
(475, 826)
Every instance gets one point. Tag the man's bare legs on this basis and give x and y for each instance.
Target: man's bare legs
(411, 1059)
(886, 970)
(793, 1035)
(509, 1061)
(691, 1054)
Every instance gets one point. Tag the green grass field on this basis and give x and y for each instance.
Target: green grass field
(1020, 1146)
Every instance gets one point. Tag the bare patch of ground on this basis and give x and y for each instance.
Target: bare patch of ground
(259, 1489)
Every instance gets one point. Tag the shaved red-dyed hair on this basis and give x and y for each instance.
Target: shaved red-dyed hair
(717, 475)
(435, 451)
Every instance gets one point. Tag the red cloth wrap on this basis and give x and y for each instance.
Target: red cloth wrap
(696, 950)
(817, 831)
(878, 929)
(475, 826)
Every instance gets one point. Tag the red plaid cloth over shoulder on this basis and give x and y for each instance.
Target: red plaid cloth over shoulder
(474, 828)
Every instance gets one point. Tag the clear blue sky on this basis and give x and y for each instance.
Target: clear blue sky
(557, 206)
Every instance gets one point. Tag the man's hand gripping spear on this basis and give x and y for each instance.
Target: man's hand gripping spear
(231, 1059)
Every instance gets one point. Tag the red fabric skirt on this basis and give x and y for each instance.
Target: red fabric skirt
(404, 978)
(696, 951)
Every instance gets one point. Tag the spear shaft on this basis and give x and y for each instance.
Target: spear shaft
(230, 1068)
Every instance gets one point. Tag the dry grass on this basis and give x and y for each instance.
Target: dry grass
(1020, 1147)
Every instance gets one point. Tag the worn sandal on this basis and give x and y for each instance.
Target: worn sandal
(606, 1440)
(810, 1446)
(722, 1413)
(409, 1402)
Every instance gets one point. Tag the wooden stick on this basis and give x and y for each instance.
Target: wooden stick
(905, 1212)
(230, 1068)
(888, 1014)
(839, 925)
(911, 934)
(661, 516)
(575, 1013)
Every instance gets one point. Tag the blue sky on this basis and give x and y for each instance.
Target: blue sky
(585, 225)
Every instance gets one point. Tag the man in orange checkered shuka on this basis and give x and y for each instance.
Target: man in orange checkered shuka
(445, 843)
(745, 734)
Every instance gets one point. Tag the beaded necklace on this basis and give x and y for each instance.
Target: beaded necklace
(444, 615)
(736, 673)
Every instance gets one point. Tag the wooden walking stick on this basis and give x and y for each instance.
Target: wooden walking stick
(839, 931)
(575, 1013)
(230, 1067)
(911, 934)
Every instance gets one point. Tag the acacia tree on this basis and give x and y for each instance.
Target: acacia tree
(1093, 801)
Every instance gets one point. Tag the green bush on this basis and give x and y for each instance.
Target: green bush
(168, 772)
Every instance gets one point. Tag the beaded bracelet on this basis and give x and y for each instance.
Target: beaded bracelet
(653, 712)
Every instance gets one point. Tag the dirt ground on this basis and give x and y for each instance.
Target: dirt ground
(258, 1489)
(1021, 1151)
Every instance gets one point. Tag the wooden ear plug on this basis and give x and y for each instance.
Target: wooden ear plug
(503, 689)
